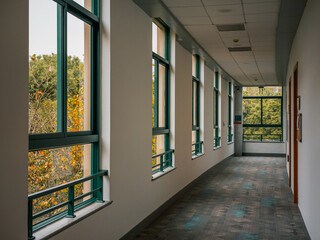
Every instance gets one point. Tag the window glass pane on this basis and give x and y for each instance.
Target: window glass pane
(271, 111)
(162, 96)
(158, 40)
(273, 134)
(194, 103)
(194, 66)
(158, 146)
(42, 66)
(153, 94)
(251, 111)
(265, 91)
(194, 137)
(85, 3)
(52, 167)
(78, 76)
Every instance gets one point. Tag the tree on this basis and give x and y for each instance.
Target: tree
(52, 167)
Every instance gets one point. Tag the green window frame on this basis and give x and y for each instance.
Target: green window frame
(230, 100)
(197, 145)
(62, 137)
(216, 104)
(161, 160)
(262, 131)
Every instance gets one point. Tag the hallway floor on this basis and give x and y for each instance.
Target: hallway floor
(242, 198)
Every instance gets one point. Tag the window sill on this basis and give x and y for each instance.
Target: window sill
(64, 223)
(216, 148)
(230, 143)
(262, 142)
(160, 174)
(197, 156)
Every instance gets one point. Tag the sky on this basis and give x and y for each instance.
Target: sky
(43, 29)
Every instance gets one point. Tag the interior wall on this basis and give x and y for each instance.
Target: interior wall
(127, 143)
(305, 50)
(262, 147)
(14, 119)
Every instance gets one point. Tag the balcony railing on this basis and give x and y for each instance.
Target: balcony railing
(165, 161)
(217, 141)
(69, 213)
(263, 137)
(197, 148)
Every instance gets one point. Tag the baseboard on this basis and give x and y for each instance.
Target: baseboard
(265, 154)
(155, 214)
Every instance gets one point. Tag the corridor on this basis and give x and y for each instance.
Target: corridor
(241, 198)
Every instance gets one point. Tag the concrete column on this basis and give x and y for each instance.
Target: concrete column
(238, 121)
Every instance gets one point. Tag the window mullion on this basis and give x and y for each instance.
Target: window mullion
(65, 70)
(60, 60)
(156, 94)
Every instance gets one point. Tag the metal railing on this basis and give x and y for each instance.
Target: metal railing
(167, 162)
(197, 148)
(217, 141)
(263, 137)
(70, 202)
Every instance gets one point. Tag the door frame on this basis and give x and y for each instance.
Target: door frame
(295, 134)
(290, 133)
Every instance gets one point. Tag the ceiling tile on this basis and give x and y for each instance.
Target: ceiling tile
(227, 19)
(255, 1)
(220, 2)
(189, 11)
(264, 7)
(182, 3)
(234, 34)
(271, 25)
(262, 17)
(224, 10)
(263, 45)
(194, 20)
(242, 42)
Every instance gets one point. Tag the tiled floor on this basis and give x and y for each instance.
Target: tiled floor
(242, 198)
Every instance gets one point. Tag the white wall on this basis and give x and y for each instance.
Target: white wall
(14, 119)
(126, 129)
(305, 50)
(258, 147)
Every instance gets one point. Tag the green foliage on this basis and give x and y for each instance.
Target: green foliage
(52, 167)
(262, 112)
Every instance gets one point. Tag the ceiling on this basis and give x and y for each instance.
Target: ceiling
(201, 18)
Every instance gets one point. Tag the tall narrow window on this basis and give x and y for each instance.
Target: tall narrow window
(63, 169)
(196, 143)
(230, 112)
(262, 114)
(217, 104)
(161, 153)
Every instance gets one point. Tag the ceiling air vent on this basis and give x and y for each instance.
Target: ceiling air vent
(240, 49)
(231, 27)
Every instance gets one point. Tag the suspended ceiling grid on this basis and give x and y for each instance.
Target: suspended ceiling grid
(260, 18)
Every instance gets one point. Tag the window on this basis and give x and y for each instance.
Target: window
(196, 143)
(63, 171)
(161, 153)
(230, 112)
(216, 111)
(262, 114)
